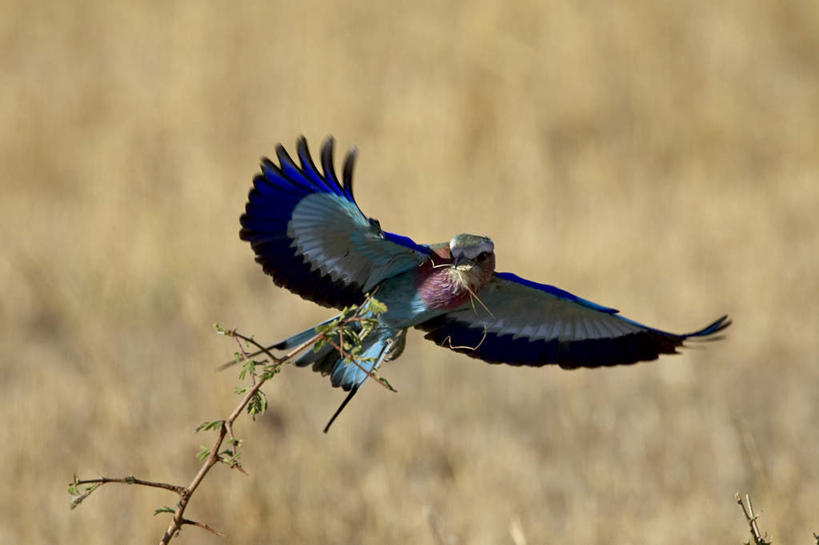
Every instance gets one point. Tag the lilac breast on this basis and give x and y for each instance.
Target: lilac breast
(439, 290)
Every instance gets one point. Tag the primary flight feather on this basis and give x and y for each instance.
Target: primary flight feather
(309, 234)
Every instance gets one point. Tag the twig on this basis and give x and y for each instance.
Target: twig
(214, 456)
(203, 526)
(751, 517)
(266, 349)
(130, 479)
(225, 427)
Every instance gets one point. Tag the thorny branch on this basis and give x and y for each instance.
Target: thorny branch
(80, 489)
(130, 479)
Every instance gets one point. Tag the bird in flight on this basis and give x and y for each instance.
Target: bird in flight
(309, 234)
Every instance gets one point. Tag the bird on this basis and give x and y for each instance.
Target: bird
(309, 234)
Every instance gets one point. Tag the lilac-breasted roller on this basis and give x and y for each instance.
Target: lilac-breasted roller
(309, 234)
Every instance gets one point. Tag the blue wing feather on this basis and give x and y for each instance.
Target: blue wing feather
(308, 233)
(347, 173)
(309, 167)
(292, 172)
(328, 167)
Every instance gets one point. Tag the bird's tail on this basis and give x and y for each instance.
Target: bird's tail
(379, 345)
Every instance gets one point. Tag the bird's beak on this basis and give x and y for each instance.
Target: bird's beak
(458, 260)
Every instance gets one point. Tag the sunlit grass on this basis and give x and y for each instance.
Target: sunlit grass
(659, 158)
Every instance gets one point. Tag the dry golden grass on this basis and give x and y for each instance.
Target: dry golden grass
(662, 158)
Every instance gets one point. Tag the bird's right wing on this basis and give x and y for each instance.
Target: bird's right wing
(521, 322)
(310, 236)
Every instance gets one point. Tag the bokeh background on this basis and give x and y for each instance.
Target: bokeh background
(658, 157)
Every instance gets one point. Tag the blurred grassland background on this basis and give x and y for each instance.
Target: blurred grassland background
(658, 157)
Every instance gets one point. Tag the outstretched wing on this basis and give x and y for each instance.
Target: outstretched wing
(536, 324)
(310, 236)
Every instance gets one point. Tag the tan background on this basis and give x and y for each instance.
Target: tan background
(659, 157)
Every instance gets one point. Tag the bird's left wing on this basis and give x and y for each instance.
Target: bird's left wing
(310, 236)
(521, 322)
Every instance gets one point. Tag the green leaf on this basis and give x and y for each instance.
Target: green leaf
(164, 509)
(323, 328)
(257, 404)
(203, 453)
(209, 425)
(386, 383)
(376, 306)
(78, 497)
(271, 371)
(249, 366)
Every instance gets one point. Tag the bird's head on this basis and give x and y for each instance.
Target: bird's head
(468, 250)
